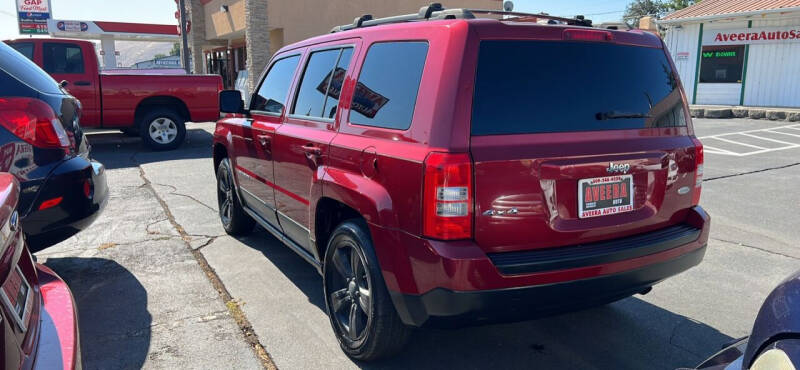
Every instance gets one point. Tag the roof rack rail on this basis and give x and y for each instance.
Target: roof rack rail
(435, 11)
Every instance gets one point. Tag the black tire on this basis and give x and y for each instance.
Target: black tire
(162, 129)
(234, 219)
(378, 332)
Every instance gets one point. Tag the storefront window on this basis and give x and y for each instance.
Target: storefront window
(722, 64)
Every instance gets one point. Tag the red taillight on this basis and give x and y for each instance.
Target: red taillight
(587, 35)
(698, 172)
(87, 188)
(447, 196)
(50, 203)
(34, 121)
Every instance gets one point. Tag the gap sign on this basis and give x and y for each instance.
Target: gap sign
(32, 16)
(761, 35)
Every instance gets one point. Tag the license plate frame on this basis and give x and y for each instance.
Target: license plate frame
(23, 300)
(607, 195)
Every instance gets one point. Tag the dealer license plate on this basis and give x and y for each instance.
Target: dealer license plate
(16, 295)
(603, 196)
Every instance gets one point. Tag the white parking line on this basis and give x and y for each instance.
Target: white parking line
(782, 133)
(768, 139)
(711, 149)
(739, 143)
(752, 134)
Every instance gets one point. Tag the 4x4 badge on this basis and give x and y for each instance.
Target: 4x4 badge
(491, 212)
(615, 167)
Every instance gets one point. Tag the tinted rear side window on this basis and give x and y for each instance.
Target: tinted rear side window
(314, 98)
(336, 83)
(543, 86)
(271, 96)
(22, 69)
(386, 92)
(24, 48)
(62, 58)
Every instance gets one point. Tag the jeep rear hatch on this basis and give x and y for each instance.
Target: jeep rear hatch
(577, 140)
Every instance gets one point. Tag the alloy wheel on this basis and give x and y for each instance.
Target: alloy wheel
(350, 292)
(163, 130)
(225, 197)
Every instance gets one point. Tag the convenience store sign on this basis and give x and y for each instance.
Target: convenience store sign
(760, 35)
(32, 16)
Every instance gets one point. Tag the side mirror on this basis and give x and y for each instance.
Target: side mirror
(63, 83)
(230, 101)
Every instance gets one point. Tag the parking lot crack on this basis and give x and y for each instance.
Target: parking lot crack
(210, 240)
(233, 306)
(752, 172)
(757, 248)
(174, 191)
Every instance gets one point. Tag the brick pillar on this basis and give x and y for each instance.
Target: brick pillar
(257, 39)
(197, 34)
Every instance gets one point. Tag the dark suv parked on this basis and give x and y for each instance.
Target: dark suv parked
(442, 170)
(62, 190)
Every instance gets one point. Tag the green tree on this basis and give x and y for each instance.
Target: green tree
(642, 8)
(159, 56)
(176, 49)
(674, 5)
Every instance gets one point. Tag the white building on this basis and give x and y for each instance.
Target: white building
(746, 52)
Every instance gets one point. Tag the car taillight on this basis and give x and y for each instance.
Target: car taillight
(698, 172)
(50, 203)
(88, 189)
(447, 196)
(34, 121)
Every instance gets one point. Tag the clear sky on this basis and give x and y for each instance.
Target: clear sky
(162, 11)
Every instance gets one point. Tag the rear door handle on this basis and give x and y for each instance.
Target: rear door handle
(310, 149)
(81, 83)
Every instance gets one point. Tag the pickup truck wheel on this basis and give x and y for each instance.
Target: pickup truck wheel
(162, 129)
(234, 219)
(358, 303)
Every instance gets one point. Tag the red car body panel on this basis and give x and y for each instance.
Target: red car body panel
(59, 346)
(379, 173)
(47, 337)
(111, 100)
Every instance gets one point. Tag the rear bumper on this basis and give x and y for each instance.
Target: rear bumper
(457, 284)
(75, 212)
(447, 308)
(59, 342)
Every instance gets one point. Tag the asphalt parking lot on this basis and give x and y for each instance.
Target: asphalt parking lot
(158, 284)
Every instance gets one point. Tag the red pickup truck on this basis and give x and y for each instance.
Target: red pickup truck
(149, 103)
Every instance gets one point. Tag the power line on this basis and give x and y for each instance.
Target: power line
(605, 13)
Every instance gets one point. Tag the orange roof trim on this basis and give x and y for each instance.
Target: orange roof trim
(724, 7)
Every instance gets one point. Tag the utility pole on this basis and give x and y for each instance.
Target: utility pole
(184, 37)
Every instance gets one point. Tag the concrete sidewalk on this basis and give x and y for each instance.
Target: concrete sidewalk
(737, 111)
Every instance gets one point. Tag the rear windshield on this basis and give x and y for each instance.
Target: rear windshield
(21, 68)
(525, 87)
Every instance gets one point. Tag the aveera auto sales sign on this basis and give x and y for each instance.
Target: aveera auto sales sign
(33, 16)
(761, 35)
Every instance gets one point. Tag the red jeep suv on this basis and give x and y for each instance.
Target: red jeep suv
(444, 170)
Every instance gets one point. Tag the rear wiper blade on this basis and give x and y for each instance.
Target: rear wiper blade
(619, 115)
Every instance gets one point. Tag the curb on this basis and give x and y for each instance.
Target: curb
(772, 114)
